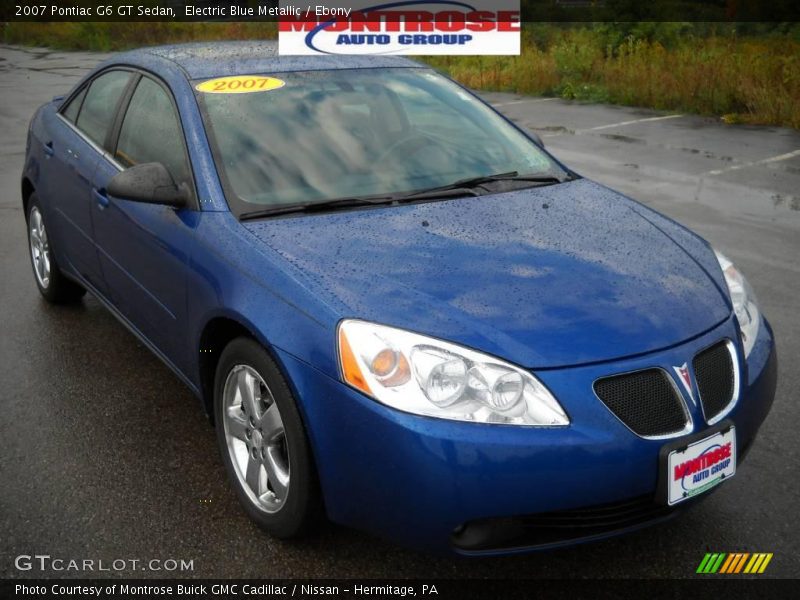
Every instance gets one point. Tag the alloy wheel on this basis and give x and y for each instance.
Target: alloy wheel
(256, 438)
(40, 249)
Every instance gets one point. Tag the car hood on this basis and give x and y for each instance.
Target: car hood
(544, 277)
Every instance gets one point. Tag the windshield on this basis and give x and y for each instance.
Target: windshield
(326, 135)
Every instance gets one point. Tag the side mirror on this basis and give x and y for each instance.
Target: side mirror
(150, 183)
(536, 139)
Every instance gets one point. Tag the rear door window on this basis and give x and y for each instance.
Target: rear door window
(96, 115)
(71, 111)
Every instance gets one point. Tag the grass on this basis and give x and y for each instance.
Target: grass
(740, 79)
(670, 66)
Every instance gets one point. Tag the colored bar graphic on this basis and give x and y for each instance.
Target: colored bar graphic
(726, 565)
(734, 563)
(717, 564)
(703, 563)
(764, 564)
(754, 563)
(753, 560)
(740, 564)
(731, 563)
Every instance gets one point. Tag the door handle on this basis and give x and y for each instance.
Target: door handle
(48, 149)
(100, 197)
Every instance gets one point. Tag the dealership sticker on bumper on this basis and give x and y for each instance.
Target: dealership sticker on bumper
(701, 465)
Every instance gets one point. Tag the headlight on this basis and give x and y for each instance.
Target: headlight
(425, 376)
(743, 300)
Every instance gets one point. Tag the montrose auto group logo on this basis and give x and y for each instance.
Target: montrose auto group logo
(714, 459)
(438, 27)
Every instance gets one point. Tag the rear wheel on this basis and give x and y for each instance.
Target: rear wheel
(263, 441)
(52, 283)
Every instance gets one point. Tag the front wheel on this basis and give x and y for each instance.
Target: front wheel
(52, 283)
(263, 441)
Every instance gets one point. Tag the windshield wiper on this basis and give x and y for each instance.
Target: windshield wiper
(462, 187)
(327, 205)
(311, 207)
(473, 182)
(510, 176)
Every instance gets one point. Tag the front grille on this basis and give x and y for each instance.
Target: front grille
(646, 401)
(713, 370)
(556, 528)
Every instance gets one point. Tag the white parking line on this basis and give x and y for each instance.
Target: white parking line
(763, 161)
(623, 123)
(526, 100)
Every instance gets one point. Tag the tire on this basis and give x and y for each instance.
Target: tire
(263, 442)
(52, 283)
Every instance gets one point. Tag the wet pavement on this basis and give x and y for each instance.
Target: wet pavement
(104, 454)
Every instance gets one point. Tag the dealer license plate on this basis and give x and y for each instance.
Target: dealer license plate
(701, 465)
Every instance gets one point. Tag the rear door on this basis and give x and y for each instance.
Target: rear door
(145, 248)
(72, 154)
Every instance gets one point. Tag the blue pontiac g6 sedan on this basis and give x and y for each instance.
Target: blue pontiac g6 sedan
(397, 308)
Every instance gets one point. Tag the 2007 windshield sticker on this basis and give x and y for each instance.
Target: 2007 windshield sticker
(240, 84)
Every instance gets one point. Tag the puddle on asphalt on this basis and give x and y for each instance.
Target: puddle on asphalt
(622, 138)
(728, 197)
(733, 199)
(790, 202)
(554, 129)
(631, 140)
(705, 153)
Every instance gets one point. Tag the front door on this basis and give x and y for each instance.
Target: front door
(144, 248)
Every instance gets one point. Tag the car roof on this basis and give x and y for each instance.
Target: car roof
(218, 59)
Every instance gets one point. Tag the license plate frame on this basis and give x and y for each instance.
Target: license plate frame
(698, 477)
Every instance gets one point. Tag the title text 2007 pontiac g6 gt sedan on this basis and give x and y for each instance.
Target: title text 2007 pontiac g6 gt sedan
(399, 310)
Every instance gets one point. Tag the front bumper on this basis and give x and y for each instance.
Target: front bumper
(416, 480)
